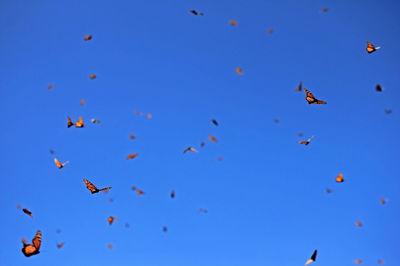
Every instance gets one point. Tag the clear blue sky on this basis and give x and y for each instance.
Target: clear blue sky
(266, 200)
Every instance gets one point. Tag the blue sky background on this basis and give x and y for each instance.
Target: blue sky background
(266, 200)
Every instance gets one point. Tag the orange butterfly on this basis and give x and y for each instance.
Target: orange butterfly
(239, 71)
(59, 165)
(325, 9)
(300, 87)
(270, 31)
(172, 194)
(212, 138)
(82, 102)
(306, 142)
(138, 191)
(382, 200)
(202, 210)
(50, 87)
(311, 99)
(70, 124)
(138, 112)
(194, 12)
(131, 156)
(93, 188)
(148, 116)
(79, 123)
(313, 257)
(27, 212)
(339, 178)
(358, 261)
(93, 76)
(371, 48)
(219, 159)
(233, 22)
(60, 245)
(87, 37)
(110, 246)
(28, 249)
(131, 136)
(381, 262)
(359, 224)
(190, 149)
(111, 219)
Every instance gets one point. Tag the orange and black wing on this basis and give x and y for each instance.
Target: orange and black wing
(310, 97)
(37, 240)
(79, 123)
(370, 47)
(90, 186)
(70, 124)
(57, 162)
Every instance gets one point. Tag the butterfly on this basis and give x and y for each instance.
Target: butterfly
(60, 165)
(202, 210)
(60, 245)
(87, 37)
(79, 123)
(190, 149)
(371, 48)
(82, 102)
(138, 112)
(28, 249)
(359, 224)
(52, 151)
(172, 194)
(328, 190)
(219, 159)
(194, 12)
(50, 87)
(138, 191)
(203, 143)
(325, 9)
(214, 122)
(300, 87)
(313, 257)
(381, 262)
(131, 156)
(70, 124)
(388, 111)
(358, 261)
(27, 212)
(233, 22)
(306, 142)
(277, 121)
(378, 88)
(148, 116)
(382, 200)
(270, 31)
(165, 229)
(131, 136)
(111, 219)
(110, 246)
(94, 121)
(311, 99)
(300, 134)
(239, 71)
(339, 178)
(93, 188)
(212, 138)
(92, 76)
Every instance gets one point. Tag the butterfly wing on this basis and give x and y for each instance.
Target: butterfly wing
(79, 123)
(37, 240)
(90, 186)
(57, 162)
(70, 124)
(370, 47)
(309, 96)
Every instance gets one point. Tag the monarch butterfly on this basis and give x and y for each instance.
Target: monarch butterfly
(328, 190)
(388, 111)
(131, 136)
(52, 151)
(382, 200)
(239, 71)
(111, 200)
(165, 229)
(324, 9)
(270, 31)
(138, 112)
(28, 249)
(82, 102)
(311, 99)
(60, 245)
(371, 48)
(148, 116)
(79, 123)
(60, 165)
(212, 138)
(87, 37)
(58, 231)
(190, 149)
(277, 121)
(110, 246)
(93, 188)
(233, 22)
(172, 194)
(194, 12)
(306, 142)
(27, 212)
(202, 210)
(94, 121)
(139, 192)
(111, 219)
(339, 178)
(50, 87)
(313, 258)
(93, 76)
(131, 156)
(300, 134)
(70, 124)
(18, 206)
(358, 261)
(203, 143)
(214, 122)
(381, 262)
(219, 159)
(378, 87)
(359, 224)
(300, 87)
